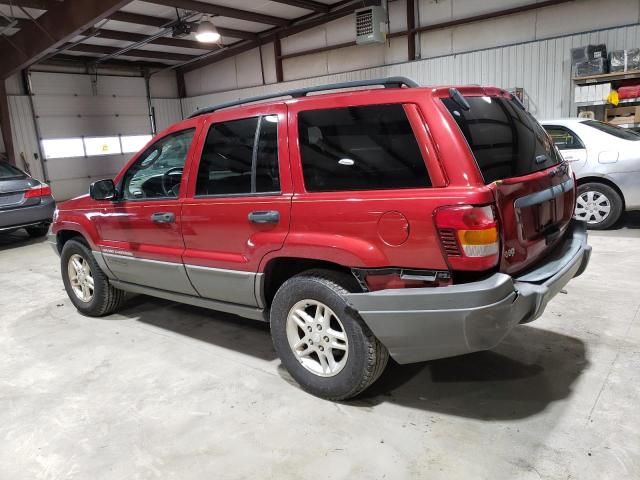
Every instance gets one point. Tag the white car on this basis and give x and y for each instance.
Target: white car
(606, 161)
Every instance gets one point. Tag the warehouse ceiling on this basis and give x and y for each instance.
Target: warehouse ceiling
(140, 33)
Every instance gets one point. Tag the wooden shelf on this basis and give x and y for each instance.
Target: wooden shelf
(602, 102)
(606, 77)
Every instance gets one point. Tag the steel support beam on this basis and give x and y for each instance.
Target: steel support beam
(86, 60)
(197, 6)
(411, 25)
(159, 22)
(306, 4)
(277, 53)
(102, 49)
(35, 4)
(62, 23)
(5, 123)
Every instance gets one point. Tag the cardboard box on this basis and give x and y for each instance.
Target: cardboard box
(622, 115)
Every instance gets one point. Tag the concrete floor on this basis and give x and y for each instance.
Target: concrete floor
(167, 391)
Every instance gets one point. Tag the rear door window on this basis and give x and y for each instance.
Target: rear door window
(240, 157)
(564, 138)
(505, 139)
(360, 148)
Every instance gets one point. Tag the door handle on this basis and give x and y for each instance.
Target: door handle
(163, 217)
(269, 216)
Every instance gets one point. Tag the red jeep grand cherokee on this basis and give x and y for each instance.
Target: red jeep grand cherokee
(419, 223)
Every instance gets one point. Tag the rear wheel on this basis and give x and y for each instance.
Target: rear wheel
(86, 284)
(37, 231)
(599, 205)
(321, 342)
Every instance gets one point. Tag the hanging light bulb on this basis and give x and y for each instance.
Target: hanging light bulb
(207, 32)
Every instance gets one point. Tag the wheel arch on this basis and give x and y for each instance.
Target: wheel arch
(64, 235)
(278, 270)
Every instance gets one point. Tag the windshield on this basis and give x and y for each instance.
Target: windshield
(505, 139)
(619, 132)
(9, 171)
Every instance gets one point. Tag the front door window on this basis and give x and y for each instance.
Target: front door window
(158, 171)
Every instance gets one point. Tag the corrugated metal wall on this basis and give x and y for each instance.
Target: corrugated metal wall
(542, 68)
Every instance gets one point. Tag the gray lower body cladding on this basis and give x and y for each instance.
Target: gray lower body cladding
(28, 215)
(427, 323)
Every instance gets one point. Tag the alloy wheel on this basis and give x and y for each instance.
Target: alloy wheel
(317, 338)
(80, 277)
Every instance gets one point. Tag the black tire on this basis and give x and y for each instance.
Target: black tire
(367, 357)
(615, 201)
(106, 299)
(37, 231)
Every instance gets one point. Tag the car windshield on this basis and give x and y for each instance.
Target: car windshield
(623, 133)
(9, 171)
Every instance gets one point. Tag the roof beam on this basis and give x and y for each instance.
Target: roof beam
(35, 4)
(306, 4)
(67, 20)
(197, 6)
(84, 60)
(102, 49)
(161, 22)
(138, 19)
(137, 37)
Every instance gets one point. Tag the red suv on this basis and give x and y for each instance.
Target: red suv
(418, 223)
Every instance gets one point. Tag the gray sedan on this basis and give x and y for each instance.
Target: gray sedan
(24, 202)
(606, 161)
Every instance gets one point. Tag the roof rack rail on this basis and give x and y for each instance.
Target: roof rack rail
(389, 82)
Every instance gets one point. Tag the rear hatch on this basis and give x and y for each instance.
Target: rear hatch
(533, 188)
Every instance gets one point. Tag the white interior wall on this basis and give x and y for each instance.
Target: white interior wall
(542, 68)
(528, 50)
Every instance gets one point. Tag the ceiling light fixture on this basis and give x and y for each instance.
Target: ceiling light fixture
(207, 32)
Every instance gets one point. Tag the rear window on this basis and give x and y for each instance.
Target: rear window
(505, 140)
(619, 132)
(9, 171)
(360, 148)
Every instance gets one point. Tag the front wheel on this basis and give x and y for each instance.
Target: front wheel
(599, 205)
(86, 284)
(321, 342)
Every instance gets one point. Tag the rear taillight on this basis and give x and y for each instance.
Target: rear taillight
(42, 190)
(469, 236)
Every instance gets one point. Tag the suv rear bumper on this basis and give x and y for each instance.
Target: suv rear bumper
(419, 324)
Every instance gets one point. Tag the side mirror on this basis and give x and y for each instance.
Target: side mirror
(103, 190)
